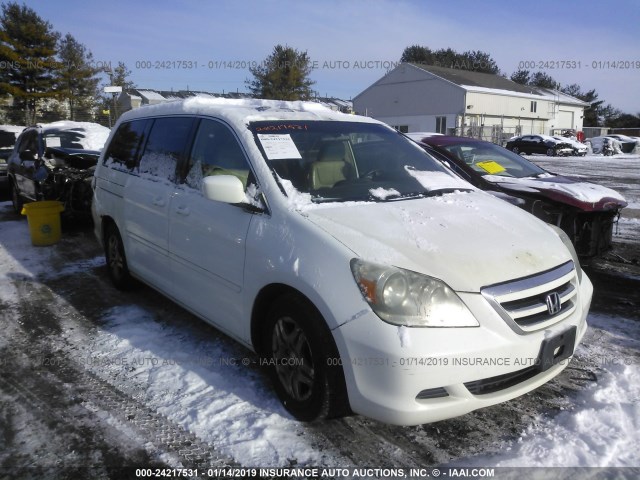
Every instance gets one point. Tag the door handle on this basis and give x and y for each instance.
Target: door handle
(183, 210)
(158, 202)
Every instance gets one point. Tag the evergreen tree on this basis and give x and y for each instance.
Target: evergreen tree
(480, 62)
(417, 54)
(543, 80)
(120, 75)
(523, 77)
(284, 75)
(593, 116)
(27, 48)
(475, 60)
(77, 80)
(625, 120)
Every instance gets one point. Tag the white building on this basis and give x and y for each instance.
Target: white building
(417, 97)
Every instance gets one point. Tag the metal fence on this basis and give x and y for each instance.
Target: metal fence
(491, 133)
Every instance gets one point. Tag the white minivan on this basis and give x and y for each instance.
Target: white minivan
(367, 277)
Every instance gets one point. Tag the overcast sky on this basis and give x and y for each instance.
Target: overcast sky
(353, 42)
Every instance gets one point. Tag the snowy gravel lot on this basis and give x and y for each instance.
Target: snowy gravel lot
(94, 380)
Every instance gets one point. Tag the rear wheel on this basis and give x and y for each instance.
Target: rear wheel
(303, 361)
(551, 152)
(116, 259)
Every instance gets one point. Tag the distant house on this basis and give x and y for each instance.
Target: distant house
(417, 97)
(135, 97)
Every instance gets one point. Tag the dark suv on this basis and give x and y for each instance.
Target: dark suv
(56, 162)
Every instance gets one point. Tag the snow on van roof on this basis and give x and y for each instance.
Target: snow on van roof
(241, 111)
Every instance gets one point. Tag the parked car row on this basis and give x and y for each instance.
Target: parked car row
(614, 144)
(585, 211)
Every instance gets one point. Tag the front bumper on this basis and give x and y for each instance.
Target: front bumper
(410, 376)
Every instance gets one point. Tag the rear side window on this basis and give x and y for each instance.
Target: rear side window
(127, 141)
(166, 146)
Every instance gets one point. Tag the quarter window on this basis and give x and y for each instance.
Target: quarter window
(126, 144)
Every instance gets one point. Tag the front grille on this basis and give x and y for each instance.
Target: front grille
(523, 303)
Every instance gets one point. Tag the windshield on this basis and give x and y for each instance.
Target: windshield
(350, 161)
(490, 159)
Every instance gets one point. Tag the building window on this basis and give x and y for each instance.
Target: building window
(402, 128)
(441, 124)
(534, 106)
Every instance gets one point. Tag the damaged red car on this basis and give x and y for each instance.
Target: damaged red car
(56, 161)
(586, 211)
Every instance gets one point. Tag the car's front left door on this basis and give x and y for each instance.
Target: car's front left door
(25, 162)
(207, 238)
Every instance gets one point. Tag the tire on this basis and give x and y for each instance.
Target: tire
(516, 150)
(551, 152)
(16, 199)
(303, 361)
(116, 259)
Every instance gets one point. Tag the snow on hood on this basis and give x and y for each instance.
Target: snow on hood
(469, 240)
(586, 192)
(95, 135)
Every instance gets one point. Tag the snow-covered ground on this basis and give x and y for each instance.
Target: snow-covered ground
(162, 358)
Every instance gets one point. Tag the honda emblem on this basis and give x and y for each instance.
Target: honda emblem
(554, 305)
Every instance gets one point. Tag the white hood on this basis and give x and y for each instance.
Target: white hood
(468, 240)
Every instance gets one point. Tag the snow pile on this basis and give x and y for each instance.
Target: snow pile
(438, 180)
(383, 193)
(211, 387)
(602, 427)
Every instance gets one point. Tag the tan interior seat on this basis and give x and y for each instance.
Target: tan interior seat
(332, 165)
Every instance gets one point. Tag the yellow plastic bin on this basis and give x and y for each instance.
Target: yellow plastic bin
(44, 221)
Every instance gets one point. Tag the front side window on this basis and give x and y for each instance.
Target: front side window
(167, 142)
(350, 161)
(28, 148)
(215, 151)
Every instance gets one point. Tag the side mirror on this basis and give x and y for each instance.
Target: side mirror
(223, 188)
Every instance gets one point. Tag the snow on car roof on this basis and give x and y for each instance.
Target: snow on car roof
(240, 111)
(95, 135)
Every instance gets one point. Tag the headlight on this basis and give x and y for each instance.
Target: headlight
(402, 297)
(569, 244)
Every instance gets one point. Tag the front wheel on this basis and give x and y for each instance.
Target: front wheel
(551, 152)
(515, 150)
(116, 259)
(303, 361)
(16, 199)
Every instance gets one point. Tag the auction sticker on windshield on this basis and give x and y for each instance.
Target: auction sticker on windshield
(491, 167)
(278, 146)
